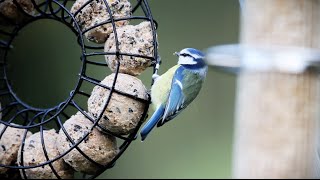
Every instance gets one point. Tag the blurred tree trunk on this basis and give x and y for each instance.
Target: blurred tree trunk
(277, 114)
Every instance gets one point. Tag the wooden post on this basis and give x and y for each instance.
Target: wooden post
(277, 113)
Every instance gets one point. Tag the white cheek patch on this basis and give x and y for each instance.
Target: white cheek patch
(186, 60)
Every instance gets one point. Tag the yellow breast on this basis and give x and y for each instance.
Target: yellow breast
(161, 87)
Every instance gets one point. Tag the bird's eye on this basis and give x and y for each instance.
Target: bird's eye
(184, 54)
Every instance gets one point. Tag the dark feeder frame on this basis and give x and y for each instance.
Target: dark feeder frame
(13, 107)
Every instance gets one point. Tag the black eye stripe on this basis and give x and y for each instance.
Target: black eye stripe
(185, 54)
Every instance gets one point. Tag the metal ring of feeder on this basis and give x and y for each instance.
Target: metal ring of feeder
(287, 59)
(13, 107)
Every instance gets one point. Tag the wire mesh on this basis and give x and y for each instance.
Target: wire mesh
(18, 114)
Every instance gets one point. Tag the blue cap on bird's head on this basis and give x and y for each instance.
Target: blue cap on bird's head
(191, 56)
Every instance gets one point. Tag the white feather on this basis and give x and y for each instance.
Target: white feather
(186, 60)
(184, 51)
(179, 84)
(196, 56)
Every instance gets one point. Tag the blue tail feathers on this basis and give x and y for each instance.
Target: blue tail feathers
(155, 118)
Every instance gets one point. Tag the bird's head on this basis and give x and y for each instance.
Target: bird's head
(191, 57)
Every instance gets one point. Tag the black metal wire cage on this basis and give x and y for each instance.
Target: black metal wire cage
(18, 114)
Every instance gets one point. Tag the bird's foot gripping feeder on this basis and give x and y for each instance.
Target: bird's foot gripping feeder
(70, 139)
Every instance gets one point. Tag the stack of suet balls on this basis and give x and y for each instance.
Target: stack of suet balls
(122, 113)
(10, 143)
(96, 12)
(33, 155)
(87, 141)
(102, 148)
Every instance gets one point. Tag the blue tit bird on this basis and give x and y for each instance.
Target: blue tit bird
(174, 90)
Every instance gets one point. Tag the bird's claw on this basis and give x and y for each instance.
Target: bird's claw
(155, 76)
(135, 137)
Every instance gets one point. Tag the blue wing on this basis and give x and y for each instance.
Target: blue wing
(176, 98)
(157, 115)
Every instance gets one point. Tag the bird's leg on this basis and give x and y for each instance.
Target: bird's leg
(155, 74)
(155, 77)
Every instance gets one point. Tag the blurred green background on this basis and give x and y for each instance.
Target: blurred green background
(198, 143)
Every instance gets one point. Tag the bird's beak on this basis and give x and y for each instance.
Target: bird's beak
(176, 53)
